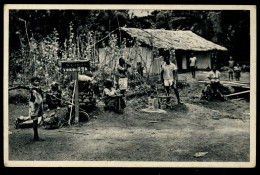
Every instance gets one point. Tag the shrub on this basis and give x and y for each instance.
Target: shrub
(18, 96)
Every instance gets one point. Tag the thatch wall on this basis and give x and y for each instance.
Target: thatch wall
(131, 55)
(144, 55)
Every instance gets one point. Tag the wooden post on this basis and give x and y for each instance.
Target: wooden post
(94, 49)
(78, 52)
(75, 66)
(73, 96)
(76, 98)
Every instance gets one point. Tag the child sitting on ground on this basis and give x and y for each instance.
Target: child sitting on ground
(53, 97)
(112, 100)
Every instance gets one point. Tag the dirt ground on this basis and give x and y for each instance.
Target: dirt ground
(219, 128)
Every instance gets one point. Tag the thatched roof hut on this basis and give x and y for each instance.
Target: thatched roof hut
(168, 39)
(182, 43)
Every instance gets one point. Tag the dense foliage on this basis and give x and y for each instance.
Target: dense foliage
(40, 38)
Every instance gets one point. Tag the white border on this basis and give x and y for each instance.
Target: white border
(253, 74)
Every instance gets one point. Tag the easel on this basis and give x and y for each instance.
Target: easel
(75, 66)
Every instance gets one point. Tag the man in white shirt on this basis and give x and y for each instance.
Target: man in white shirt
(168, 76)
(193, 63)
(214, 76)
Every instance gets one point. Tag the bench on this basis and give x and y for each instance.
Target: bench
(163, 101)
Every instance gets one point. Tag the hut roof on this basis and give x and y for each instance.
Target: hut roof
(166, 39)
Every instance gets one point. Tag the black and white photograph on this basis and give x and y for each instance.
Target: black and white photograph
(129, 85)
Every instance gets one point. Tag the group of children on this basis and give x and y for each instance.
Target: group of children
(214, 77)
(233, 69)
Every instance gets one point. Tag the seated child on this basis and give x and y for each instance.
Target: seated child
(214, 77)
(53, 97)
(215, 89)
(112, 100)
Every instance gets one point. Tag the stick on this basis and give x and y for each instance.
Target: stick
(229, 83)
(239, 83)
(138, 78)
(27, 34)
(241, 86)
(238, 93)
(104, 37)
(119, 30)
(73, 132)
(226, 82)
(19, 87)
(72, 102)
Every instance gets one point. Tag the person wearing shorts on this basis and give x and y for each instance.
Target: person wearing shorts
(230, 68)
(168, 76)
(35, 105)
(122, 73)
(237, 70)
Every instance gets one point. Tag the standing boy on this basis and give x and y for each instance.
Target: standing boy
(237, 70)
(35, 105)
(122, 75)
(230, 68)
(169, 75)
(193, 63)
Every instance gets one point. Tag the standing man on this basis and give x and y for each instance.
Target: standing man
(35, 105)
(122, 75)
(169, 75)
(193, 63)
(230, 68)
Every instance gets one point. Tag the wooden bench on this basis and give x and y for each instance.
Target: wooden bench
(163, 101)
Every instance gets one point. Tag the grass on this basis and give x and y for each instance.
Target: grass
(18, 96)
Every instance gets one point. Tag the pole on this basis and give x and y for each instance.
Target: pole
(119, 31)
(23, 61)
(72, 102)
(27, 33)
(94, 50)
(76, 98)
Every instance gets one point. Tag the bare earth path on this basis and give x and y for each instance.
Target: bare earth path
(220, 128)
(139, 136)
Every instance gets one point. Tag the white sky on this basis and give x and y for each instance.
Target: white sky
(140, 12)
